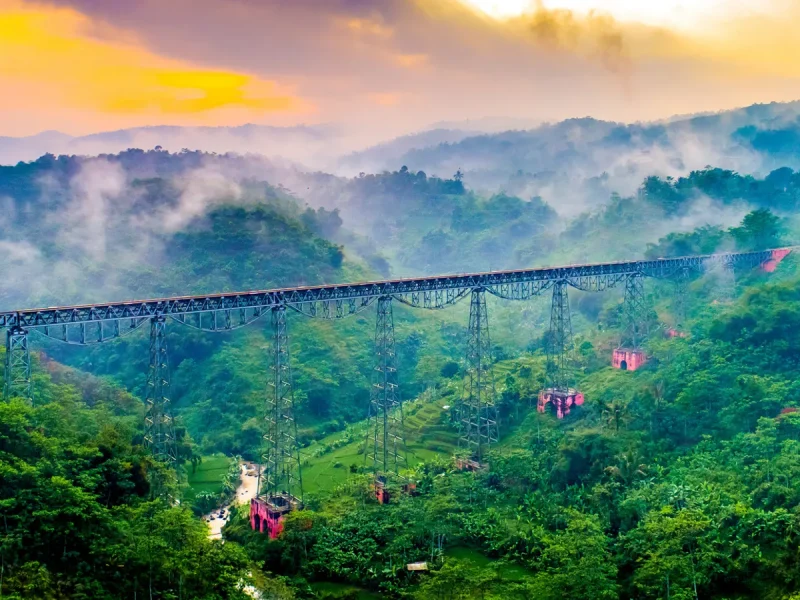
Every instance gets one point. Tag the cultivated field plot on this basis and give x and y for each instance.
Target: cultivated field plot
(208, 476)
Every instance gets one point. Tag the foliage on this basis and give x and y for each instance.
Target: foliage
(676, 480)
(77, 521)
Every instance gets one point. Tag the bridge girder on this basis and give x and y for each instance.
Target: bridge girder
(339, 301)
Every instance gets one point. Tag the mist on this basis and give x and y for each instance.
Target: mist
(88, 226)
(94, 227)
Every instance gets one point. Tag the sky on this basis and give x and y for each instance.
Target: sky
(385, 66)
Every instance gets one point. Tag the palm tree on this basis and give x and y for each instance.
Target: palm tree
(630, 467)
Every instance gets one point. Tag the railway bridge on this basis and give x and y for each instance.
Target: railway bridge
(475, 416)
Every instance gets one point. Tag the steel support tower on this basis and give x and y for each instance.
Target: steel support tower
(281, 472)
(560, 373)
(636, 313)
(636, 317)
(726, 281)
(280, 480)
(18, 366)
(681, 293)
(159, 428)
(386, 441)
(478, 409)
(560, 348)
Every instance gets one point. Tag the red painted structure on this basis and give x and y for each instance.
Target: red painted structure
(561, 400)
(467, 464)
(267, 513)
(382, 494)
(674, 333)
(628, 360)
(776, 256)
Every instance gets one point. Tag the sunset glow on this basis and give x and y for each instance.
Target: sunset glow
(48, 57)
(666, 13)
(84, 66)
(502, 9)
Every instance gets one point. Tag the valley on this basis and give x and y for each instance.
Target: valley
(680, 470)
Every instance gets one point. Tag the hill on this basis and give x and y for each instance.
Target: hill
(309, 144)
(662, 475)
(575, 164)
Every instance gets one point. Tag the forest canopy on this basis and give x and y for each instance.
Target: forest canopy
(672, 481)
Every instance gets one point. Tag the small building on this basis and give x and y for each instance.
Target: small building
(410, 488)
(467, 464)
(417, 566)
(628, 360)
(268, 512)
(561, 400)
(674, 333)
(381, 493)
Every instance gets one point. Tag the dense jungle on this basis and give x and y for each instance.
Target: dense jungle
(679, 480)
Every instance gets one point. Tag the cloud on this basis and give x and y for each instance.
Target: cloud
(595, 35)
(368, 27)
(101, 224)
(385, 99)
(19, 255)
(200, 189)
(58, 67)
(328, 61)
(181, 92)
(411, 61)
(97, 185)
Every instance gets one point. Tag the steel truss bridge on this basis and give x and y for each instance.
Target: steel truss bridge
(475, 416)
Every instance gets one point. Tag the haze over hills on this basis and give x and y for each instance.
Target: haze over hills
(153, 223)
(309, 144)
(566, 162)
(566, 168)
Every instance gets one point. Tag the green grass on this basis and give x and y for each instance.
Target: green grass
(426, 438)
(428, 435)
(327, 589)
(506, 571)
(208, 476)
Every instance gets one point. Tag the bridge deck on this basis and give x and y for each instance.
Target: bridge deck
(515, 284)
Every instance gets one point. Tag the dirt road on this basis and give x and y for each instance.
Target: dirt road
(247, 489)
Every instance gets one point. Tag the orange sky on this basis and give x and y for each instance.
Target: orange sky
(62, 77)
(81, 66)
